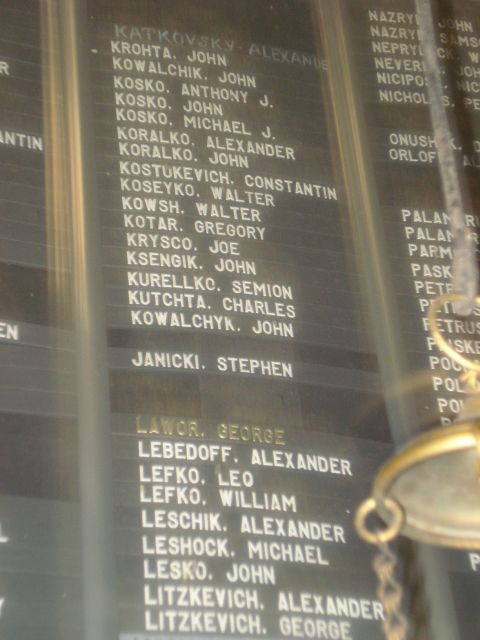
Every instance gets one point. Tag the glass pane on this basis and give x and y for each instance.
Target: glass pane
(221, 228)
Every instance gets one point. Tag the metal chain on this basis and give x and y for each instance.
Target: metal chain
(389, 593)
(464, 265)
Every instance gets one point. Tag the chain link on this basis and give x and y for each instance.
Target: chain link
(389, 593)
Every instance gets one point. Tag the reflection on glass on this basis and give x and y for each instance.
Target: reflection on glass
(221, 228)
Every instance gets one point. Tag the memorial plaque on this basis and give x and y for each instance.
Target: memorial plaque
(248, 415)
(417, 227)
(39, 586)
(246, 406)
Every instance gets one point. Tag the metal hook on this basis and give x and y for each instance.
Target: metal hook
(387, 534)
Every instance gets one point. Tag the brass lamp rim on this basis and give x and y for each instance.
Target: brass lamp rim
(462, 436)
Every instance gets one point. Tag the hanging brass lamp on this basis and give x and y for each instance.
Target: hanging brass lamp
(429, 490)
